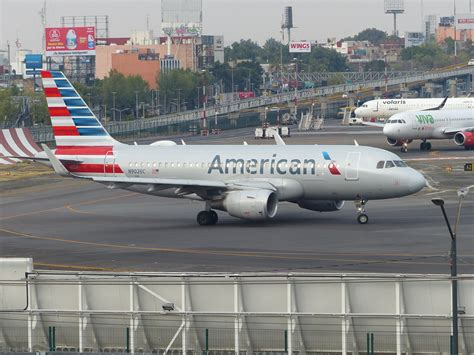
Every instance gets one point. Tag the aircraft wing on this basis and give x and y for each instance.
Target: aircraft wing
(204, 189)
(456, 130)
(373, 124)
(211, 184)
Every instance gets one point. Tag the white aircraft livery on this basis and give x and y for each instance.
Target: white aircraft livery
(402, 128)
(385, 108)
(246, 181)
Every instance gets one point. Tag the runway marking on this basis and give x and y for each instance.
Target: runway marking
(72, 209)
(47, 187)
(67, 207)
(75, 267)
(220, 253)
(438, 192)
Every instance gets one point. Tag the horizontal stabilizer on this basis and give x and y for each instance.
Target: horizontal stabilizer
(373, 124)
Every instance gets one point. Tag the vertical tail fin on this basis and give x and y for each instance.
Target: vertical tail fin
(74, 123)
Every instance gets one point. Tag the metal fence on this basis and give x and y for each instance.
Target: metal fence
(229, 313)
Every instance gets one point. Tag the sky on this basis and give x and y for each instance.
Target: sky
(315, 20)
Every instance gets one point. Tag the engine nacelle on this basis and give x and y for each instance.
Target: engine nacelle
(396, 142)
(249, 204)
(321, 205)
(465, 139)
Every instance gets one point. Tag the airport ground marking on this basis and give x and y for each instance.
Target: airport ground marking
(216, 252)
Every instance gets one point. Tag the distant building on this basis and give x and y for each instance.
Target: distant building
(357, 51)
(443, 32)
(144, 63)
(413, 39)
(183, 53)
(430, 25)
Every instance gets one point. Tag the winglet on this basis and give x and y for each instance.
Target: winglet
(57, 165)
(245, 143)
(356, 143)
(440, 105)
(183, 142)
(278, 139)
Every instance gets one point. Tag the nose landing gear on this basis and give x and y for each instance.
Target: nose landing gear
(362, 218)
(404, 147)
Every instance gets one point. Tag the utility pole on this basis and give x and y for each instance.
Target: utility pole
(136, 104)
(179, 100)
(455, 34)
(9, 65)
(113, 104)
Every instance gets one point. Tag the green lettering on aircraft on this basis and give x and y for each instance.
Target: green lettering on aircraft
(425, 119)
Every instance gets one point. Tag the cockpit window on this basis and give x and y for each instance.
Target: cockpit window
(400, 163)
(380, 164)
(389, 164)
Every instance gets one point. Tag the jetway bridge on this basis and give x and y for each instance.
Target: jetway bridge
(374, 80)
(225, 313)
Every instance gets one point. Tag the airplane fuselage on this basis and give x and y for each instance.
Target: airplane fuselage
(385, 108)
(297, 172)
(435, 124)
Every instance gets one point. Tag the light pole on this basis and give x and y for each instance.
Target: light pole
(453, 264)
(136, 104)
(179, 100)
(113, 104)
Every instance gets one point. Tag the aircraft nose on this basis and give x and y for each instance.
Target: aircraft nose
(416, 181)
(357, 111)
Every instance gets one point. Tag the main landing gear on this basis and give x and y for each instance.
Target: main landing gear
(207, 218)
(404, 148)
(362, 218)
(425, 145)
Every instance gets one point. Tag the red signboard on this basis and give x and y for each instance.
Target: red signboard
(70, 41)
(246, 94)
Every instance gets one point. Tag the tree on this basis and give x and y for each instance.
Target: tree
(426, 57)
(180, 87)
(372, 35)
(274, 51)
(449, 43)
(126, 88)
(245, 49)
(375, 65)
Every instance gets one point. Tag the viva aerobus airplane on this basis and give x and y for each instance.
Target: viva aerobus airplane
(441, 122)
(246, 181)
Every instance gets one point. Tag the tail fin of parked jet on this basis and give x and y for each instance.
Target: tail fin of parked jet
(74, 123)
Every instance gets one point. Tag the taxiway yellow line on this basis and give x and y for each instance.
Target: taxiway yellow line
(212, 252)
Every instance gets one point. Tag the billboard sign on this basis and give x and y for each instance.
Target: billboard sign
(34, 61)
(465, 21)
(181, 17)
(300, 47)
(70, 41)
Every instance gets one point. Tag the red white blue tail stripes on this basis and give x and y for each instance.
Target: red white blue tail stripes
(72, 120)
(78, 133)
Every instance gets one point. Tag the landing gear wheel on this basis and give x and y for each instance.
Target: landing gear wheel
(404, 149)
(207, 218)
(203, 218)
(362, 218)
(425, 146)
(214, 217)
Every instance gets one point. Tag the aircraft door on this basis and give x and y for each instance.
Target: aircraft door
(109, 164)
(352, 166)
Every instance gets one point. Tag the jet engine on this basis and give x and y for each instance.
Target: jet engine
(321, 205)
(249, 204)
(465, 139)
(396, 142)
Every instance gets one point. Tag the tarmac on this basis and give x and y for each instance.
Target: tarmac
(79, 225)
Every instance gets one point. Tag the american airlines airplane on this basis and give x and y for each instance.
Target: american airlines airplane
(402, 128)
(246, 181)
(385, 108)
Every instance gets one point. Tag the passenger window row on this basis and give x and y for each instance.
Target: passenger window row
(391, 164)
